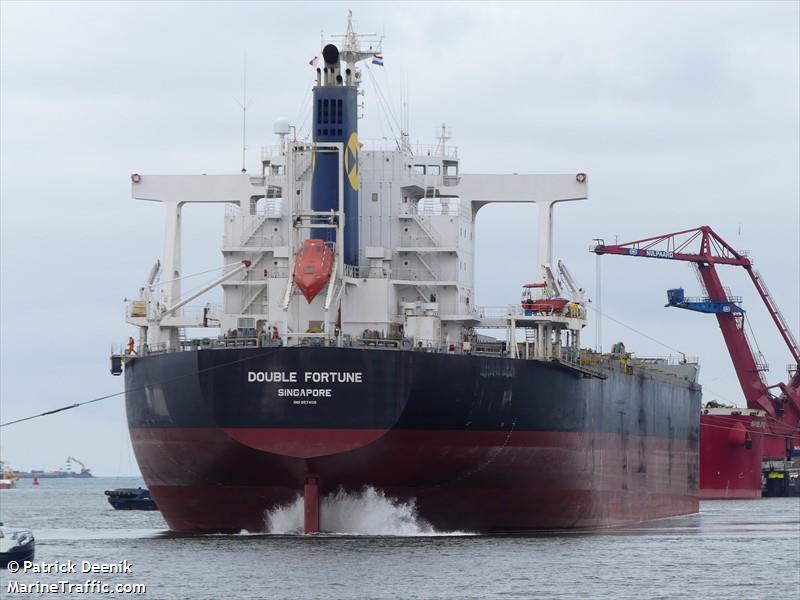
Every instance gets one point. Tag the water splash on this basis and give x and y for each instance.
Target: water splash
(368, 512)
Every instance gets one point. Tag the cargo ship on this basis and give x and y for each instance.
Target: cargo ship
(351, 352)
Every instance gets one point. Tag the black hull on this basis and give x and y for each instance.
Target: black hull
(481, 443)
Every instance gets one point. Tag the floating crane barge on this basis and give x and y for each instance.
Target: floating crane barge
(736, 445)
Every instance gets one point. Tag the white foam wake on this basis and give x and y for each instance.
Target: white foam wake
(368, 512)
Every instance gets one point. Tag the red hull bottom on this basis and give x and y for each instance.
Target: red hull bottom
(203, 480)
(728, 494)
(233, 509)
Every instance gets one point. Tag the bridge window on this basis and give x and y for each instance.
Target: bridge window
(434, 169)
(419, 169)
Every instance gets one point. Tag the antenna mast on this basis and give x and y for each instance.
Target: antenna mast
(355, 47)
(244, 104)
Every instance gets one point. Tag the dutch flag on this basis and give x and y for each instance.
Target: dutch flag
(377, 59)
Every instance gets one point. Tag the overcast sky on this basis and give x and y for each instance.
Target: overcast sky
(682, 114)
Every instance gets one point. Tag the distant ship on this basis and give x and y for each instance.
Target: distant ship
(64, 473)
(352, 353)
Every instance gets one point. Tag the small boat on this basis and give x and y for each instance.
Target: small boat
(131, 499)
(15, 544)
(8, 477)
(35, 481)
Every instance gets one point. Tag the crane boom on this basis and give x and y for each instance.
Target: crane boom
(75, 460)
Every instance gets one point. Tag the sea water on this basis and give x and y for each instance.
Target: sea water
(381, 550)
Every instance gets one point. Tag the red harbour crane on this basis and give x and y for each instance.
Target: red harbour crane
(706, 249)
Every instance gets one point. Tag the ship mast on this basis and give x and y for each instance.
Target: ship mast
(355, 47)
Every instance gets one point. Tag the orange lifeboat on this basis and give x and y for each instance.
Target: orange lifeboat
(531, 304)
(312, 269)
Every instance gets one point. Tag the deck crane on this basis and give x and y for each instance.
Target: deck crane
(780, 401)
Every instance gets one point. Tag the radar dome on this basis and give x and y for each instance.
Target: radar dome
(281, 126)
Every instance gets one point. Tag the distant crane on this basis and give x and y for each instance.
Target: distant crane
(783, 409)
(71, 460)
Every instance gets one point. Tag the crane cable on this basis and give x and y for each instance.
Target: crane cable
(107, 396)
(602, 314)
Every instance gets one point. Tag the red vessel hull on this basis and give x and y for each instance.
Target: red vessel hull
(475, 481)
(731, 447)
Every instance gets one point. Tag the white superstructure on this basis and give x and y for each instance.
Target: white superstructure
(414, 282)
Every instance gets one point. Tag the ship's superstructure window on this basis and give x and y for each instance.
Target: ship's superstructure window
(419, 169)
(434, 169)
(374, 196)
(277, 169)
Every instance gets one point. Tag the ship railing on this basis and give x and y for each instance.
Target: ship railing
(378, 342)
(497, 312)
(366, 272)
(434, 150)
(139, 308)
(269, 272)
(268, 152)
(421, 150)
(433, 207)
(424, 241)
(426, 345)
(664, 360)
(412, 274)
(313, 338)
(271, 206)
(701, 299)
(254, 241)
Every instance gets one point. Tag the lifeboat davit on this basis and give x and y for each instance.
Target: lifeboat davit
(312, 269)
